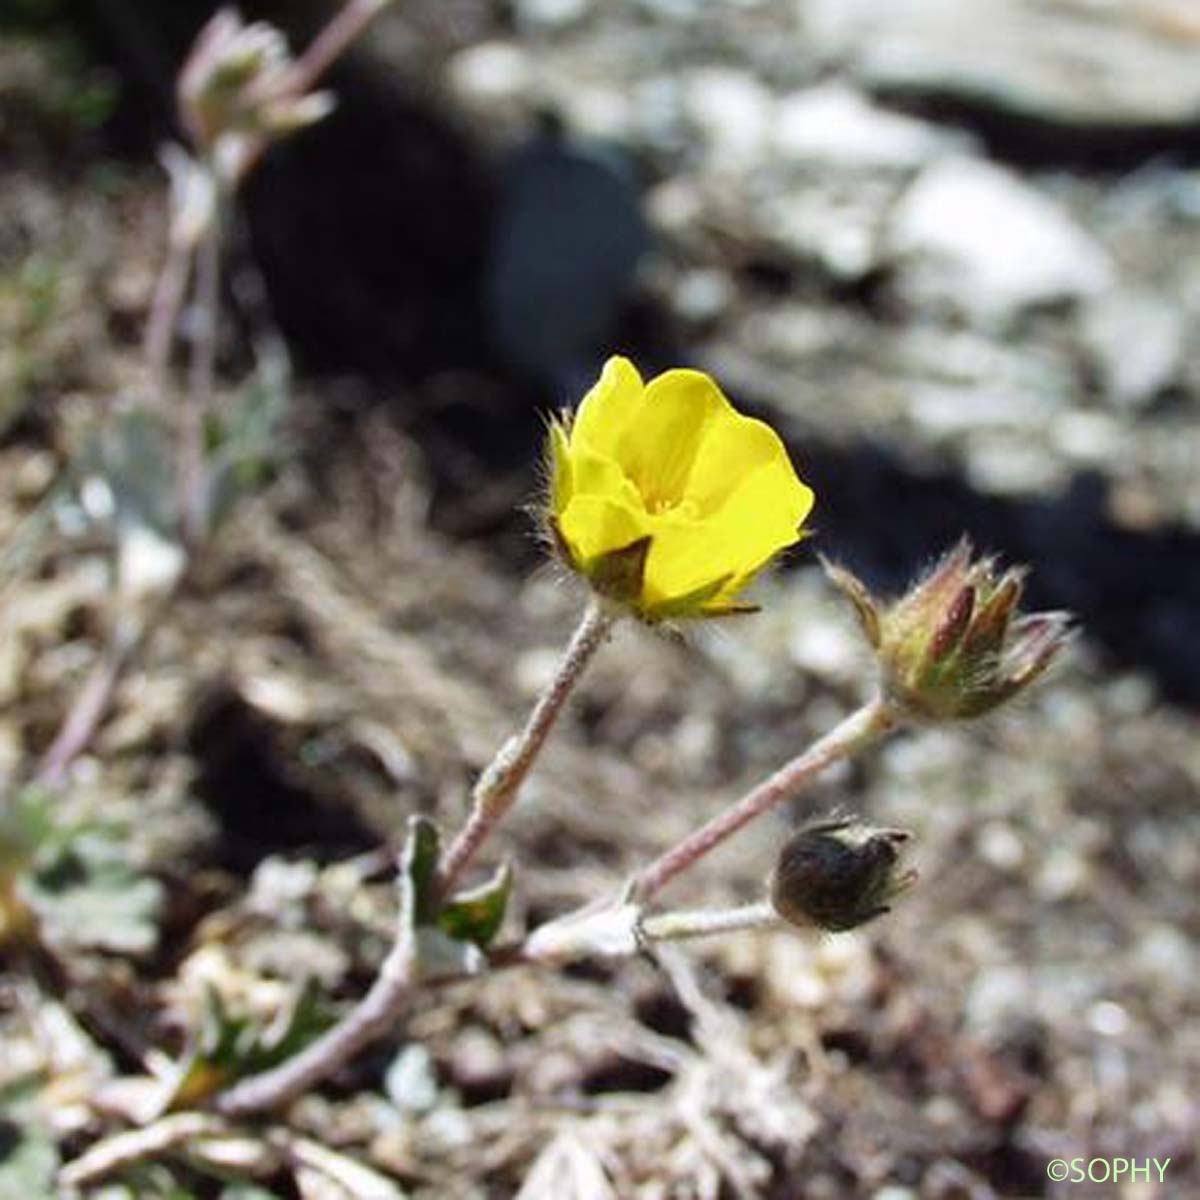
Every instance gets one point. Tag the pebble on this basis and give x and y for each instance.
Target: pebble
(491, 74)
(999, 844)
(827, 650)
(733, 113)
(837, 228)
(1089, 438)
(1012, 465)
(411, 1080)
(837, 126)
(972, 240)
(1135, 342)
(550, 14)
(703, 294)
(997, 996)
(1107, 1018)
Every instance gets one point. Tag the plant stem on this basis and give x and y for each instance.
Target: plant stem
(702, 922)
(372, 1016)
(501, 780)
(164, 313)
(379, 1008)
(201, 378)
(91, 704)
(332, 42)
(348, 24)
(127, 1149)
(858, 730)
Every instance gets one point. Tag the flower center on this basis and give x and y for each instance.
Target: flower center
(660, 506)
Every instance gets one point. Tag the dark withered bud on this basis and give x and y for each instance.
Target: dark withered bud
(837, 875)
(954, 646)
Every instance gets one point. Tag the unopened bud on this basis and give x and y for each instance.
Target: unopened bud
(953, 646)
(837, 875)
(239, 82)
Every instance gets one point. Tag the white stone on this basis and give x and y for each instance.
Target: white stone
(1080, 64)
(490, 73)
(835, 125)
(148, 564)
(826, 650)
(999, 844)
(973, 240)
(703, 294)
(1092, 438)
(1136, 342)
(1108, 1018)
(733, 112)
(551, 14)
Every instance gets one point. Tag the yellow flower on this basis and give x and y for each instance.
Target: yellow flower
(666, 498)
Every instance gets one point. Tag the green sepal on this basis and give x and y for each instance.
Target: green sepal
(476, 915)
(620, 574)
(691, 604)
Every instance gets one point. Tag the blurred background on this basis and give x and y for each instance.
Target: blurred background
(947, 247)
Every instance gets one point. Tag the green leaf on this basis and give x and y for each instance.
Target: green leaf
(87, 894)
(246, 444)
(476, 915)
(134, 457)
(419, 864)
(26, 827)
(231, 1046)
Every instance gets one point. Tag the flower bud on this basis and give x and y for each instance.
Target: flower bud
(954, 647)
(837, 875)
(238, 83)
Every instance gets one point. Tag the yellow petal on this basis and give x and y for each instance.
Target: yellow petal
(598, 475)
(734, 447)
(658, 449)
(593, 526)
(605, 412)
(761, 518)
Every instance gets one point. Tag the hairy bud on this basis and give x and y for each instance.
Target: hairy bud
(239, 84)
(954, 646)
(837, 875)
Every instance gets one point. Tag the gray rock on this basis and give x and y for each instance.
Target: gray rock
(550, 14)
(834, 125)
(733, 113)
(834, 223)
(1135, 343)
(972, 240)
(1088, 65)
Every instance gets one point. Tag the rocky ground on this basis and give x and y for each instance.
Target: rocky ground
(958, 273)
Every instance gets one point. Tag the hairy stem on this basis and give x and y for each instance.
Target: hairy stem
(164, 314)
(704, 922)
(501, 780)
(91, 704)
(858, 730)
(201, 380)
(379, 1008)
(369, 1019)
(346, 27)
